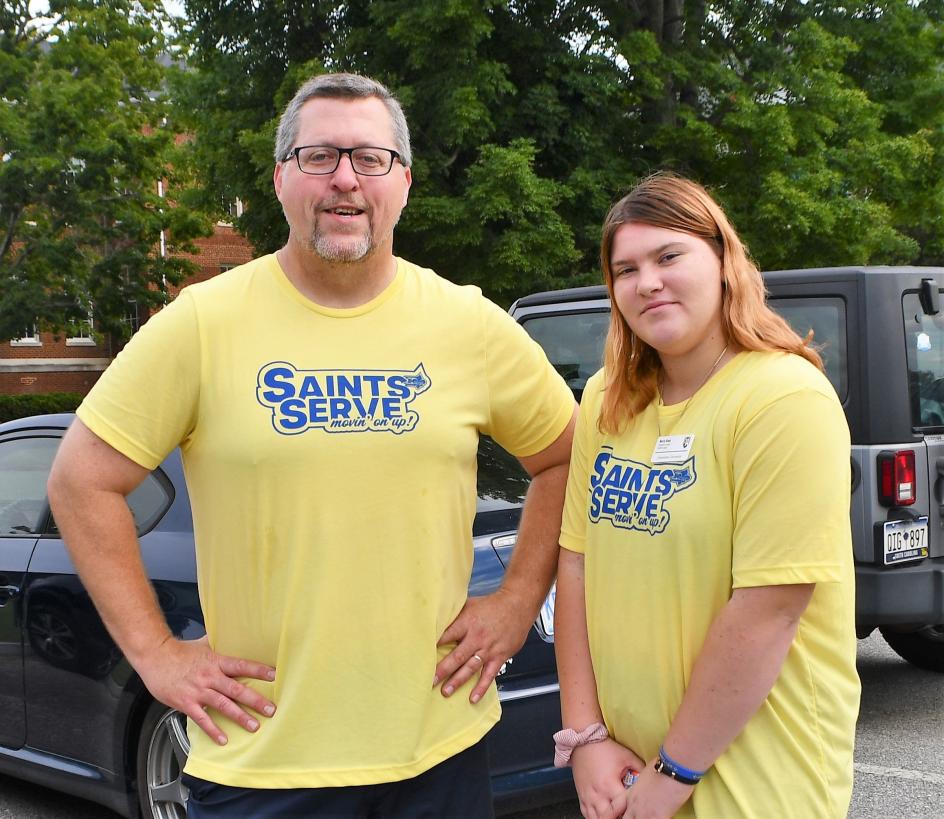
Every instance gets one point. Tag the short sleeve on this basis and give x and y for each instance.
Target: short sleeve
(791, 492)
(586, 443)
(145, 403)
(530, 405)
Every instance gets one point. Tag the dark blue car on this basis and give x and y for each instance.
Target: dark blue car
(75, 717)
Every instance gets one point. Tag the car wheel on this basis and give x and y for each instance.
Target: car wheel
(923, 648)
(163, 748)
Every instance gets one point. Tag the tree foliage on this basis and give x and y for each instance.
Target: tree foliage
(83, 145)
(819, 125)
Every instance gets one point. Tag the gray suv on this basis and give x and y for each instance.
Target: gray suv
(880, 331)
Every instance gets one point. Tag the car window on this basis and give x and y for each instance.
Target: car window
(826, 317)
(924, 343)
(147, 503)
(502, 480)
(24, 467)
(573, 343)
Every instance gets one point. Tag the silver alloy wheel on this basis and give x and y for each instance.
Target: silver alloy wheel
(167, 753)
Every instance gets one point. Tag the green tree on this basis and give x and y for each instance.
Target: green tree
(487, 205)
(819, 125)
(84, 143)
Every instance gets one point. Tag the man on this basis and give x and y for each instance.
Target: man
(328, 401)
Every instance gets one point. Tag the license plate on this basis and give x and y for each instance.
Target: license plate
(905, 540)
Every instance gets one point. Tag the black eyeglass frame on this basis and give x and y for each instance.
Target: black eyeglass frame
(394, 155)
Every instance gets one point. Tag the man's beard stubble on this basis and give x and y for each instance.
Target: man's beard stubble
(342, 252)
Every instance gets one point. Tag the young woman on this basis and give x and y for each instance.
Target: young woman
(705, 616)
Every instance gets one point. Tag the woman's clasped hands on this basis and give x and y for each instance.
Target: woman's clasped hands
(599, 769)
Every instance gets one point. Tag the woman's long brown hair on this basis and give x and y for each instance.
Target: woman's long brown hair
(631, 367)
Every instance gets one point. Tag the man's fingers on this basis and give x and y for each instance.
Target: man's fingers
(206, 724)
(238, 667)
(489, 672)
(219, 701)
(457, 668)
(467, 649)
(189, 676)
(454, 631)
(235, 690)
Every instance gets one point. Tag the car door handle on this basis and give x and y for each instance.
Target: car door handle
(7, 593)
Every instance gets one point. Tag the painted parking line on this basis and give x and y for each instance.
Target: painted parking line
(900, 773)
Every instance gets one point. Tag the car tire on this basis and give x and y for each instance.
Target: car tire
(163, 747)
(923, 648)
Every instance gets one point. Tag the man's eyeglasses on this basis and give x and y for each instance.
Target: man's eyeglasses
(322, 159)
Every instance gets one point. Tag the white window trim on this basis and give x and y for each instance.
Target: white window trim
(82, 341)
(238, 204)
(28, 341)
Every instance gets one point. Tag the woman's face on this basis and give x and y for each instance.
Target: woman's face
(667, 285)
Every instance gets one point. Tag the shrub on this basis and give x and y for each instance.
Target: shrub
(21, 406)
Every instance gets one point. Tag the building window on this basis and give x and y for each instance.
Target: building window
(232, 209)
(132, 318)
(30, 338)
(227, 266)
(81, 332)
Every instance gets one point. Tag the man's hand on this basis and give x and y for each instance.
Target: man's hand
(486, 632)
(655, 795)
(189, 676)
(598, 774)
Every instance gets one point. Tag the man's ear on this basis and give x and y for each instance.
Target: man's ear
(277, 178)
(409, 182)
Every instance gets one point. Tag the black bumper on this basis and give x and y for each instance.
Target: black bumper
(900, 595)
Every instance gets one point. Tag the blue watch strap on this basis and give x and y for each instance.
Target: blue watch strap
(668, 766)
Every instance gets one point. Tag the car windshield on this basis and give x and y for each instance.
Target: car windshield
(924, 337)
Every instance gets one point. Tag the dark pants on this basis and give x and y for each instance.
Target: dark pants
(459, 788)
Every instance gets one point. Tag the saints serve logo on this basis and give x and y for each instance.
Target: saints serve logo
(340, 400)
(633, 495)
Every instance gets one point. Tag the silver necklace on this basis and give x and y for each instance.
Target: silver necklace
(689, 399)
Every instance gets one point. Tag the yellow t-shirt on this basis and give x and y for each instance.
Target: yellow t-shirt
(330, 457)
(762, 498)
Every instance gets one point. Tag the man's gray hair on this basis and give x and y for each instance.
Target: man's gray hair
(345, 87)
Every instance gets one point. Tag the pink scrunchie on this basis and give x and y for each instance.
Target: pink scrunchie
(568, 739)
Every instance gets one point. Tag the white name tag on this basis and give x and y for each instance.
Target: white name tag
(673, 449)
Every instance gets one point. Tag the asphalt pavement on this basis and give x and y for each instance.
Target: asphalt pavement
(899, 768)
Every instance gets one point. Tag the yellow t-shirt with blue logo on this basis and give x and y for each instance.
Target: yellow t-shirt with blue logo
(330, 457)
(760, 498)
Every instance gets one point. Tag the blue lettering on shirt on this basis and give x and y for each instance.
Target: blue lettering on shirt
(633, 495)
(340, 400)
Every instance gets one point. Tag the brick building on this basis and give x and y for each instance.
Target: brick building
(72, 362)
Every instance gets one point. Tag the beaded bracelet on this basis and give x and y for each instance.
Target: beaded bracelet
(668, 766)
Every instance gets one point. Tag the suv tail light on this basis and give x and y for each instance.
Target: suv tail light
(896, 478)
